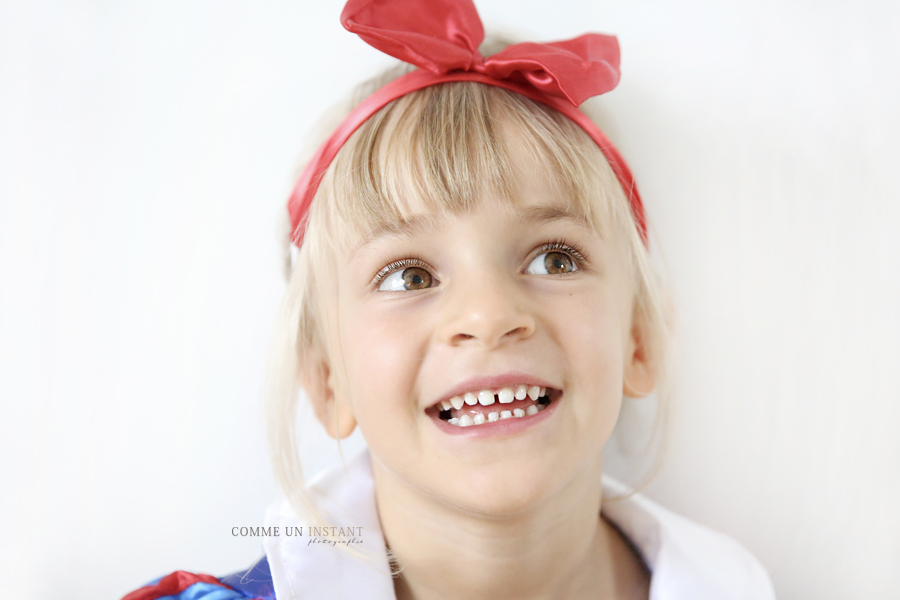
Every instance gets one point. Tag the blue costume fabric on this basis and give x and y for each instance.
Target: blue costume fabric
(255, 583)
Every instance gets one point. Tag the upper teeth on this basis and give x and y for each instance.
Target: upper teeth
(486, 397)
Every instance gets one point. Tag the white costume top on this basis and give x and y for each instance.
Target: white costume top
(687, 561)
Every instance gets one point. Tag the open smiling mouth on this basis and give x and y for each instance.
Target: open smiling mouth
(490, 405)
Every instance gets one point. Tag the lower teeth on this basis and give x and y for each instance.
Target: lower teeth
(479, 418)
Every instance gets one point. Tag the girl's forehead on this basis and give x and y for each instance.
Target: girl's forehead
(527, 212)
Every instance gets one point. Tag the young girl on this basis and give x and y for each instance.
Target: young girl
(470, 287)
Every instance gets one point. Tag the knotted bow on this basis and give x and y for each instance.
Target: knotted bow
(443, 36)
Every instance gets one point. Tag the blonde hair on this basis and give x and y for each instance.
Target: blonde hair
(443, 146)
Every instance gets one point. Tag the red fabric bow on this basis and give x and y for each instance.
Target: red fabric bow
(444, 35)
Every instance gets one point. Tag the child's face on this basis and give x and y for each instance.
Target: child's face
(507, 294)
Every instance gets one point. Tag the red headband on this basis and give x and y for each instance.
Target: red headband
(442, 37)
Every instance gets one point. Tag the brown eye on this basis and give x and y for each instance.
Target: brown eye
(401, 278)
(416, 278)
(557, 262)
(556, 258)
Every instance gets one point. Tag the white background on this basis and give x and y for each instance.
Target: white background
(146, 149)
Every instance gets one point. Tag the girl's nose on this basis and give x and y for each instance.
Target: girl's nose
(488, 315)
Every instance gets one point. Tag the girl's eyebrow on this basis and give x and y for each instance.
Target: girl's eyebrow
(408, 227)
(546, 213)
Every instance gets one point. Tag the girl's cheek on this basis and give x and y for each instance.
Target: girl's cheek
(385, 343)
(593, 334)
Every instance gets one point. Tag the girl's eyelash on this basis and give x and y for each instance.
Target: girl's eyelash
(561, 245)
(403, 263)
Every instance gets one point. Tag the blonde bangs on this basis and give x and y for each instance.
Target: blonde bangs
(449, 147)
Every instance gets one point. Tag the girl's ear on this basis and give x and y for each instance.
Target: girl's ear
(333, 411)
(641, 361)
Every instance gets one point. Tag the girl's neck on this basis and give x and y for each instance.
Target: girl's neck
(560, 549)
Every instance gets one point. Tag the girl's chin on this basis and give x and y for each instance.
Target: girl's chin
(498, 490)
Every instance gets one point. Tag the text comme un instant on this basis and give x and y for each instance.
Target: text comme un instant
(296, 531)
